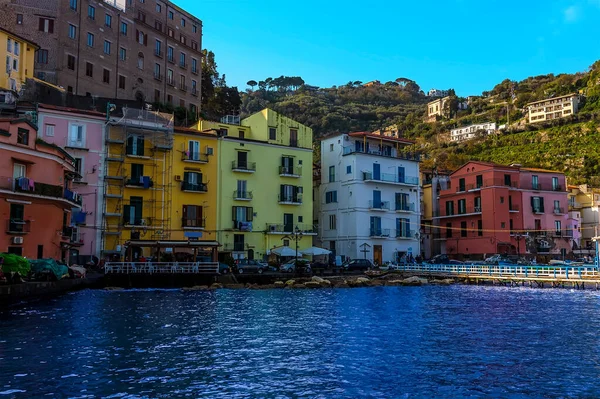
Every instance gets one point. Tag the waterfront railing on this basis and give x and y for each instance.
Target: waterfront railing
(161, 267)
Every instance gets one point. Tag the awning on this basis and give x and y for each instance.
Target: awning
(315, 251)
(172, 244)
(285, 251)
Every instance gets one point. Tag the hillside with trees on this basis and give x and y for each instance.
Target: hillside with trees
(568, 144)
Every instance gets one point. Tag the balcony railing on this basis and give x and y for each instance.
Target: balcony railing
(193, 223)
(403, 233)
(400, 207)
(194, 187)
(290, 199)
(242, 195)
(408, 156)
(557, 188)
(379, 232)
(562, 233)
(158, 77)
(194, 70)
(243, 166)
(170, 81)
(513, 208)
(18, 226)
(139, 182)
(235, 247)
(293, 143)
(280, 228)
(559, 211)
(194, 91)
(391, 178)
(28, 186)
(379, 205)
(183, 65)
(535, 209)
(536, 186)
(194, 157)
(290, 171)
(182, 87)
(158, 53)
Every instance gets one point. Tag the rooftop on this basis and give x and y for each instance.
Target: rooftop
(553, 98)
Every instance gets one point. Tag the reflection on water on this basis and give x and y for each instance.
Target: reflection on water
(407, 342)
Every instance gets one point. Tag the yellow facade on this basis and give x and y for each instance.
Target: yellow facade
(138, 183)
(194, 195)
(18, 54)
(265, 185)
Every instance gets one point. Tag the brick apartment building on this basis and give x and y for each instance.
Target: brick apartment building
(489, 208)
(146, 50)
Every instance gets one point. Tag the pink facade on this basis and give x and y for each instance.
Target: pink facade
(491, 208)
(80, 133)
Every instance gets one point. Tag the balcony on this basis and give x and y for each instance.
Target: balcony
(293, 143)
(280, 228)
(558, 211)
(158, 77)
(379, 205)
(194, 187)
(536, 186)
(537, 210)
(410, 156)
(193, 223)
(170, 81)
(379, 233)
(562, 233)
(234, 247)
(243, 167)
(158, 53)
(557, 188)
(182, 87)
(406, 234)
(242, 195)
(29, 187)
(71, 235)
(194, 92)
(18, 226)
(198, 157)
(183, 65)
(513, 208)
(290, 171)
(290, 200)
(400, 207)
(391, 178)
(139, 182)
(194, 70)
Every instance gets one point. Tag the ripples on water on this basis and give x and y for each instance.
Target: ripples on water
(392, 342)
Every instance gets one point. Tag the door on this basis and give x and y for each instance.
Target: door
(287, 164)
(293, 138)
(288, 222)
(375, 226)
(17, 215)
(401, 174)
(40, 251)
(377, 254)
(376, 171)
(194, 150)
(241, 189)
(376, 199)
(242, 158)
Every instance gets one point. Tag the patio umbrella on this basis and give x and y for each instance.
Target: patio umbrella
(315, 251)
(284, 251)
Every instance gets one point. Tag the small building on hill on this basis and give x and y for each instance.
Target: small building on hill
(469, 132)
(553, 108)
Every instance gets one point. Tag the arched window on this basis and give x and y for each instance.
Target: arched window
(140, 60)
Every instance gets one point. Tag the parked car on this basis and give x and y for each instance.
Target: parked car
(251, 266)
(358, 264)
(439, 260)
(290, 266)
(224, 268)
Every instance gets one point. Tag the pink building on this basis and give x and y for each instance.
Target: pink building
(489, 208)
(80, 133)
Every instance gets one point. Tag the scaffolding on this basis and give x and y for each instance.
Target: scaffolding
(139, 204)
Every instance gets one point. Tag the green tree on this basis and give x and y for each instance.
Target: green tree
(252, 83)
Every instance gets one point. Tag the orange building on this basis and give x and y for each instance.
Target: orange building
(37, 206)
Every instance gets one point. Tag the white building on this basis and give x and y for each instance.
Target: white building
(468, 132)
(369, 197)
(437, 93)
(553, 108)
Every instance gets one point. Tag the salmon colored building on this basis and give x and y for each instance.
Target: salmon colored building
(36, 200)
(489, 208)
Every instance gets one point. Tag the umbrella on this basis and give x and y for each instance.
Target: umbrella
(315, 251)
(284, 251)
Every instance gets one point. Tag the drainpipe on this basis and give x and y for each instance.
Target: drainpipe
(78, 52)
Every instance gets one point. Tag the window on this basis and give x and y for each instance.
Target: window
(463, 229)
(449, 208)
(135, 146)
(182, 60)
(331, 147)
(194, 28)
(106, 76)
(192, 216)
(502, 200)
(169, 99)
(195, 70)
(330, 197)
(79, 167)
(242, 213)
(194, 150)
(555, 185)
(507, 180)
(47, 25)
(9, 46)
(537, 204)
(123, 54)
(156, 95)
(331, 174)
(241, 134)
(332, 222)
(73, 4)
(17, 218)
(142, 38)
(182, 103)
(462, 206)
(23, 136)
(106, 47)
(293, 138)
(477, 204)
(72, 31)
(170, 53)
(157, 72)
(194, 86)
(461, 185)
(194, 45)
(121, 82)
(183, 22)
(90, 39)
(108, 20)
(19, 19)
(142, 17)
(448, 230)
(158, 25)
(480, 227)
(140, 63)
(16, 51)
(535, 182)
(132, 213)
(170, 14)
(19, 170)
(272, 130)
(124, 28)
(158, 7)
(182, 85)
(479, 181)
(91, 12)
(158, 48)
(76, 136)
(170, 32)
(42, 56)
(49, 130)
(182, 39)
(137, 171)
(557, 227)
(349, 169)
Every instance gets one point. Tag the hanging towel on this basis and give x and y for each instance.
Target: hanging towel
(24, 183)
(146, 180)
(31, 185)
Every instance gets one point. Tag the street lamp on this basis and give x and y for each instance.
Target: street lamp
(297, 236)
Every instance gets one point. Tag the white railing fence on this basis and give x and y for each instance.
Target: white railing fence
(161, 267)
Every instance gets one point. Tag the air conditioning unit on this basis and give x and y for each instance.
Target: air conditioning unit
(272, 227)
(209, 151)
(143, 222)
(17, 240)
(177, 177)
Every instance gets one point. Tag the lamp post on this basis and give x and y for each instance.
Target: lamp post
(296, 236)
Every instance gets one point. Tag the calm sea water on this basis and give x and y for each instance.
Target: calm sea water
(389, 342)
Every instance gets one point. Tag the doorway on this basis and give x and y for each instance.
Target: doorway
(40, 251)
(377, 254)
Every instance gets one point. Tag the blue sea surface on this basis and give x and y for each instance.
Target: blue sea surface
(386, 342)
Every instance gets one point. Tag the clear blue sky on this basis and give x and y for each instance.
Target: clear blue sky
(462, 44)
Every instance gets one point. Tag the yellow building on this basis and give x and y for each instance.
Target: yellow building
(19, 54)
(265, 184)
(194, 194)
(138, 179)
(584, 201)
(436, 108)
(553, 108)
